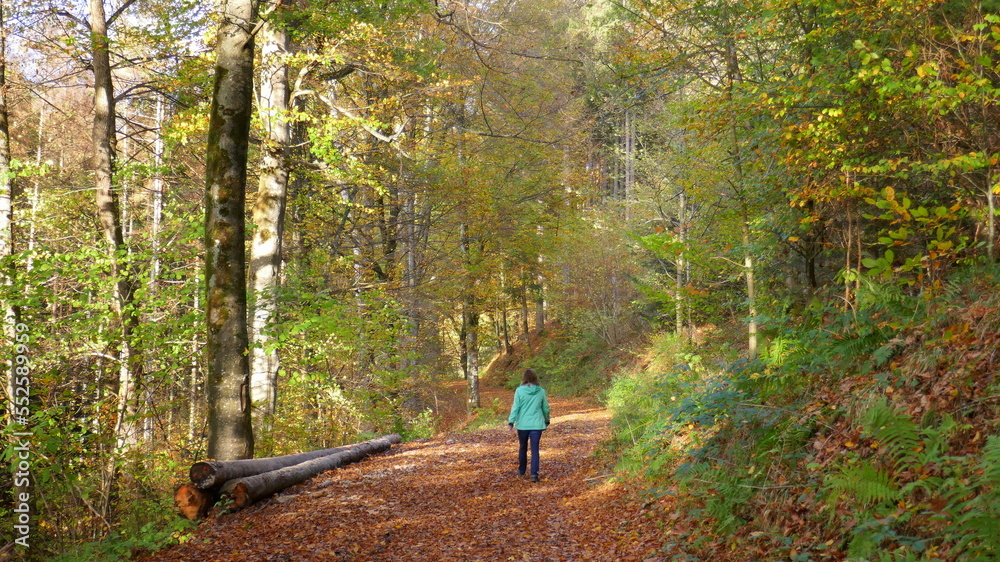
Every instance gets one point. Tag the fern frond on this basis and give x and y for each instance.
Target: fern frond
(868, 484)
(980, 536)
(863, 344)
(976, 508)
(896, 432)
(990, 463)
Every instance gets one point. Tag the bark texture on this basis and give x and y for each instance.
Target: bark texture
(230, 433)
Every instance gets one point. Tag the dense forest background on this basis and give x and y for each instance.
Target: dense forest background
(782, 211)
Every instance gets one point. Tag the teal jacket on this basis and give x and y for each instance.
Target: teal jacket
(530, 409)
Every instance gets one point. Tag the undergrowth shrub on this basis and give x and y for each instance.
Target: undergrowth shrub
(641, 400)
(736, 444)
(575, 369)
(913, 495)
(706, 430)
(490, 415)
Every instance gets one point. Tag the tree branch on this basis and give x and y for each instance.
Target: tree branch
(119, 11)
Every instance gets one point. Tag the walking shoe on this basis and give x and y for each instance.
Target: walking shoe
(534, 478)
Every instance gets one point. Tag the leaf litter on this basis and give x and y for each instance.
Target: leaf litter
(453, 497)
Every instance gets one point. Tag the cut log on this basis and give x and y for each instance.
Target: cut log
(245, 491)
(192, 502)
(207, 475)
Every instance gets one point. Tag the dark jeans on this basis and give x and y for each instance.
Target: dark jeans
(523, 436)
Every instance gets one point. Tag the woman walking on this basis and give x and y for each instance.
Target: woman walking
(530, 415)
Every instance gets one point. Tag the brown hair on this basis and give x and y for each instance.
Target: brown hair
(529, 377)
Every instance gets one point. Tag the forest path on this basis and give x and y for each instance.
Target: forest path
(452, 497)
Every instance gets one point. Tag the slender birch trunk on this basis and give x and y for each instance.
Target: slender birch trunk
(154, 273)
(230, 432)
(6, 197)
(410, 343)
(679, 275)
(748, 272)
(36, 196)
(269, 216)
(471, 324)
(14, 385)
(193, 379)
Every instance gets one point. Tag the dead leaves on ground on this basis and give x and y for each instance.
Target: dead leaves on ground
(455, 497)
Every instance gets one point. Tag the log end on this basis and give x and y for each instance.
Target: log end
(193, 503)
(240, 496)
(203, 474)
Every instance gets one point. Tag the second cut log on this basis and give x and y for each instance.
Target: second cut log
(207, 475)
(247, 490)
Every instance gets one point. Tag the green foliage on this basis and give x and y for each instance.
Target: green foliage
(873, 487)
(423, 426)
(725, 494)
(729, 442)
(492, 416)
(975, 508)
(869, 485)
(152, 536)
(572, 366)
(896, 433)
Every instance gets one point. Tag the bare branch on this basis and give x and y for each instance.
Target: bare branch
(119, 11)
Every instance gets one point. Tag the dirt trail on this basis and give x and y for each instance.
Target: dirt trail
(453, 497)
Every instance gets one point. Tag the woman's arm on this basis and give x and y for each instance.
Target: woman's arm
(515, 408)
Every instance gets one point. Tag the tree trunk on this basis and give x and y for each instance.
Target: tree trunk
(540, 296)
(269, 216)
(991, 225)
(410, 345)
(193, 394)
(463, 342)
(36, 197)
(108, 212)
(213, 474)
(748, 271)
(471, 323)
(154, 235)
(6, 203)
(524, 311)
(245, 491)
(629, 161)
(230, 433)
(473, 353)
(193, 503)
(679, 279)
(507, 347)
(17, 376)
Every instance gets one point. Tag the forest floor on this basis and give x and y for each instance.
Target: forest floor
(453, 497)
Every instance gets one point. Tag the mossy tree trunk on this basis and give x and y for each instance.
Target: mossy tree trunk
(230, 433)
